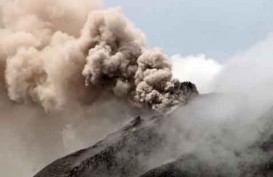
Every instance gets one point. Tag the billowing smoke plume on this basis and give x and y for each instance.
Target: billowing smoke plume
(68, 70)
(58, 52)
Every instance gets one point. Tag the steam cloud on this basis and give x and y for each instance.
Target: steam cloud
(216, 128)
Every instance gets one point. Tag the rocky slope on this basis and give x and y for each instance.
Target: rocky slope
(201, 147)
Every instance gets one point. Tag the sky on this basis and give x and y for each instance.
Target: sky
(204, 37)
(219, 29)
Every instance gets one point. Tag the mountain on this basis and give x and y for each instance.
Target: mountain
(197, 139)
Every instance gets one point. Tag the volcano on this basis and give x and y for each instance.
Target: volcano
(146, 148)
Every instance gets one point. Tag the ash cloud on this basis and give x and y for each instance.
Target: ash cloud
(68, 70)
(58, 52)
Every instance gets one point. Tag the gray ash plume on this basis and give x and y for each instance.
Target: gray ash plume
(68, 70)
(93, 52)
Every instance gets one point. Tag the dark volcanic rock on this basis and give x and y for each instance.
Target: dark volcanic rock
(138, 149)
(187, 166)
(263, 165)
(119, 154)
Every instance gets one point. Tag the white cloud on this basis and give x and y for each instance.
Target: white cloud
(198, 69)
(249, 72)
